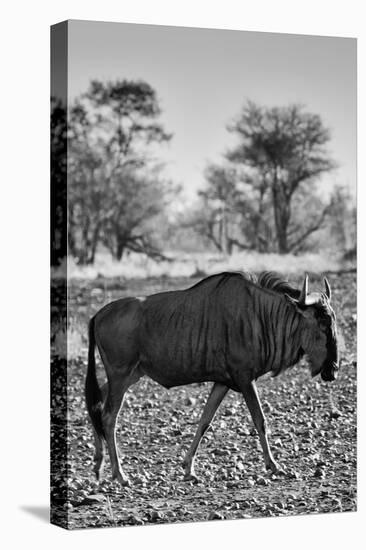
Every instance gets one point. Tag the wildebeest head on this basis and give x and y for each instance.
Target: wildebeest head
(319, 340)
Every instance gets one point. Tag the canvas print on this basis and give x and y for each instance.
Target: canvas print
(203, 281)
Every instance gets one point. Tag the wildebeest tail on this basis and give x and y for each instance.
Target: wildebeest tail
(93, 395)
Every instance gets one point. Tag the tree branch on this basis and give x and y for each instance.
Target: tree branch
(240, 245)
(294, 247)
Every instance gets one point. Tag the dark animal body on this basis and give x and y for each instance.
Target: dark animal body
(229, 329)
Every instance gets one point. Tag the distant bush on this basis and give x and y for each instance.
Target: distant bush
(350, 255)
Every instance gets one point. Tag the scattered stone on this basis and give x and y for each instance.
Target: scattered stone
(91, 499)
(335, 413)
(231, 484)
(262, 481)
(190, 401)
(156, 516)
(139, 480)
(135, 520)
(215, 515)
(221, 452)
(319, 472)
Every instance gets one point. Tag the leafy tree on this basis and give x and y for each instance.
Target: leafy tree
(282, 152)
(113, 129)
(125, 113)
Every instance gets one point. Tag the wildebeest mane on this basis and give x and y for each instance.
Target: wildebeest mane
(267, 318)
(221, 278)
(272, 281)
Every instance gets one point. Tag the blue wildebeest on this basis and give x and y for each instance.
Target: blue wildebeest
(229, 329)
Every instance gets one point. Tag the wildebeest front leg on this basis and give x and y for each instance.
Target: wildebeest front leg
(217, 394)
(252, 400)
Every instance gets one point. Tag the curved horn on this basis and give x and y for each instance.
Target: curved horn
(304, 290)
(328, 291)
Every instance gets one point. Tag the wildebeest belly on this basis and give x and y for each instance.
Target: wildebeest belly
(176, 358)
(170, 372)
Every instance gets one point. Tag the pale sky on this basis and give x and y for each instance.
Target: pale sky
(203, 77)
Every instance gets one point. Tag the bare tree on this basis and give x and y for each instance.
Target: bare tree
(231, 214)
(283, 149)
(126, 221)
(217, 218)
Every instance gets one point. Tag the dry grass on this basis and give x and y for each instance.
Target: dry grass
(69, 342)
(137, 266)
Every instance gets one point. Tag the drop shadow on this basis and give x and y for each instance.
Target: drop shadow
(40, 512)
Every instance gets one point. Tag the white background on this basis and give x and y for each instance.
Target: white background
(24, 259)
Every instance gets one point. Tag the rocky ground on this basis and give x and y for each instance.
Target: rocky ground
(313, 436)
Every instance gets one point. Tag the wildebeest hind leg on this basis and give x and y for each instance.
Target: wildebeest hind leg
(99, 456)
(217, 394)
(252, 400)
(119, 380)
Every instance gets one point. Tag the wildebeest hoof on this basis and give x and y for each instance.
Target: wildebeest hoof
(125, 482)
(278, 474)
(122, 480)
(191, 477)
(274, 468)
(98, 473)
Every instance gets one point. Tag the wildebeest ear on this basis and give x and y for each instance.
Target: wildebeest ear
(328, 291)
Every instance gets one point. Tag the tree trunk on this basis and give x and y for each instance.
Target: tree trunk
(281, 209)
(227, 241)
(94, 244)
(259, 223)
(83, 247)
(71, 238)
(220, 233)
(282, 238)
(120, 247)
